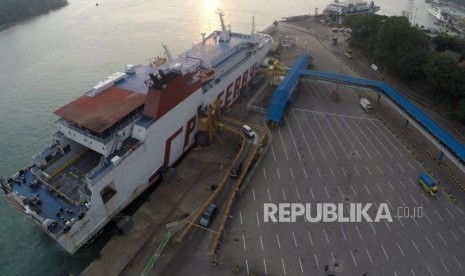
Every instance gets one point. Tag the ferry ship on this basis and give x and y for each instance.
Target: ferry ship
(440, 13)
(339, 9)
(113, 142)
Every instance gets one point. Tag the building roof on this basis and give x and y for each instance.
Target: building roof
(103, 110)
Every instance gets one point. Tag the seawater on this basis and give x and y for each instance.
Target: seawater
(51, 59)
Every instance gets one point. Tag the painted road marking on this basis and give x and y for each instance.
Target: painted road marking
(390, 168)
(369, 256)
(310, 237)
(390, 185)
(440, 217)
(264, 173)
(277, 170)
(279, 244)
(343, 234)
(297, 191)
(442, 238)
(444, 265)
(413, 272)
(432, 247)
(295, 241)
(400, 167)
(247, 266)
(458, 263)
(332, 255)
(331, 171)
(349, 140)
(368, 170)
(379, 169)
(453, 235)
(284, 195)
(368, 191)
(314, 136)
(311, 191)
(303, 135)
(358, 231)
(353, 190)
(413, 199)
(326, 190)
(301, 268)
(253, 193)
(326, 235)
(429, 270)
(427, 218)
(356, 137)
(371, 224)
(342, 195)
(292, 173)
(379, 187)
(282, 143)
(401, 251)
(403, 226)
(305, 172)
(284, 267)
(344, 171)
(316, 260)
(326, 137)
(385, 253)
(269, 195)
(460, 210)
(293, 140)
(353, 258)
(415, 246)
(261, 242)
(240, 217)
(258, 220)
(366, 137)
(356, 171)
(272, 151)
(452, 216)
(243, 242)
(264, 264)
(318, 171)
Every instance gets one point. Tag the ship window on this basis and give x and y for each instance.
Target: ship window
(107, 193)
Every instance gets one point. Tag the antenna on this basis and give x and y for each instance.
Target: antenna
(221, 14)
(167, 53)
(253, 24)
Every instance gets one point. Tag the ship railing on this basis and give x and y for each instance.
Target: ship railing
(54, 189)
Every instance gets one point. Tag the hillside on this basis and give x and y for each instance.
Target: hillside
(12, 11)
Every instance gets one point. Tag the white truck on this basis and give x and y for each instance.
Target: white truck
(365, 104)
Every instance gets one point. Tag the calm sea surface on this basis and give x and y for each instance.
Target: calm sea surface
(51, 59)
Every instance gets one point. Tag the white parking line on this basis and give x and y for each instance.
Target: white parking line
(353, 258)
(282, 143)
(295, 241)
(371, 224)
(327, 194)
(247, 266)
(292, 173)
(413, 199)
(240, 217)
(258, 220)
(369, 155)
(402, 184)
(390, 185)
(353, 190)
(377, 184)
(400, 167)
(368, 191)
(316, 260)
(318, 171)
(429, 270)
(389, 203)
(389, 228)
(293, 140)
(310, 237)
(358, 231)
(368, 170)
(444, 265)
(279, 244)
(269, 196)
(369, 256)
(401, 201)
(356, 171)
(284, 195)
(366, 137)
(314, 136)
(440, 217)
(342, 195)
(385, 253)
(344, 171)
(413, 272)
(326, 137)
(349, 140)
(243, 242)
(452, 216)
(284, 268)
(343, 234)
(277, 170)
(460, 210)
(337, 137)
(264, 173)
(453, 235)
(401, 251)
(311, 191)
(390, 168)
(415, 246)
(376, 137)
(261, 242)
(416, 222)
(442, 238)
(272, 151)
(426, 216)
(458, 263)
(326, 235)
(331, 171)
(253, 193)
(427, 200)
(332, 256)
(463, 230)
(297, 192)
(305, 172)
(379, 169)
(432, 247)
(264, 265)
(410, 165)
(303, 135)
(301, 268)
(403, 226)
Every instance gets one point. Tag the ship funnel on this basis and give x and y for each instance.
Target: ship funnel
(253, 25)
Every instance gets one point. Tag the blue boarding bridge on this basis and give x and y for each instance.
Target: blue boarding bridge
(284, 94)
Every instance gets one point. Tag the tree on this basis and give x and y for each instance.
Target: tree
(460, 111)
(364, 30)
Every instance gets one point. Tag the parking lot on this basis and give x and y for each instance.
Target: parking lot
(334, 152)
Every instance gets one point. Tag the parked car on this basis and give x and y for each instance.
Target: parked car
(208, 216)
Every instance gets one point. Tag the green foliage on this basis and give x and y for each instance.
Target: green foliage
(444, 42)
(15, 10)
(460, 111)
(447, 80)
(364, 31)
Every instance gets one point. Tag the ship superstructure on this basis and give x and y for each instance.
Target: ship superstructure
(113, 142)
(339, 9)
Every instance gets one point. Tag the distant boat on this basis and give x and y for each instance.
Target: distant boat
(345, 8)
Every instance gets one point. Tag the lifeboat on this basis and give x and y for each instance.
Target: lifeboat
(207, 75)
